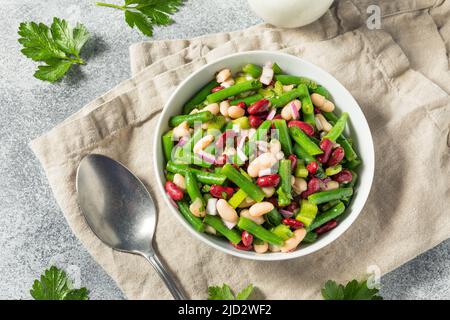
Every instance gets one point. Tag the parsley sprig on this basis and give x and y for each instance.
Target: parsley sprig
(145, 14)
(58, 46)
(225, 293)
(54, 284)
(353, 290)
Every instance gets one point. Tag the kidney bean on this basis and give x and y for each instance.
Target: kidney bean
(313, 187)
(345, 176)
(271, 180)
(312, 167)
(174, 191)
(273, 201)
(316, 110)
(221, 160)
(247, 238)
(293, 159)
(218, 88)
(221, 192)
(241, 105)
(326, 227)
(305, 127)
(327, 146)
(228, 134)
(255, 121)
(277, 116)
(259, 107)
(336, 157)
(292, 207)
(241, 246)
(293, 223)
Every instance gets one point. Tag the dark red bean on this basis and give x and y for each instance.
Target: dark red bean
(326, 227)
(174, 191)
(305, 127)
(221, 160)
(273, 201)
(241, 246)
(293, 223)
(316, 110)
(271, 180)
(247, 238)
(313, 187)
(292, 207)
(221, 192)
(255, 121)
(336, 157)
(277, 116)
(218, 88)
(293, 159)
(327, 146)
(345, 176)
(241, 105)
(259, 107)
(312, 167)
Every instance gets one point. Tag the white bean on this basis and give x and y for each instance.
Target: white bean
(179, 181)
(261, 248)
(261, 208)
(181, 130)
(224, 105)
(299, 185)
(203, 143)
(286, 112)
(248, 202)
(280, 155)
(213, 108)
(275, 146)
(228, 83)
(273, 248)
(246, 214)
(223, 75)
(268, 191)
(263, 161)
(326, 126)
(210, 229)
(226, 211)
(235, 112)
(331, 185)
(197, 208)
(322, 103)
(292, 243)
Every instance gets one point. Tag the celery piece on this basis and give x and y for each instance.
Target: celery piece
(237, 198)
(283, 231)
(331, 171)
(242, 122)
(308, 212)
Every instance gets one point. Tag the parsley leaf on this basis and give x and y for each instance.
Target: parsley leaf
(54, 284)
(145, 14)
(225, 293)
(353, 290)
(58, 46)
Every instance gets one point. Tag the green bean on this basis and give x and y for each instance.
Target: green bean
(259, 231)
(307, 105)
(330, 116)
(288, 79)
(300, 170)
(310, 237)
(247, 100)
(169, 176)
(203, 116)
(243, 182)
(202, 176)
(266, 93)
(276, 68)
(322, 91)
(338, 128)
(273, 217)
(231, 234)
(301, 153)
(325, 196)
(284, 191)
(285, 98)
(302, 139)
(181, 156)
(283, 135)
(194, 221)
(167, 142)
(192, 187)
(352, 183)
(199, 97)
(331, 171)
(354, 163)
(323, 218)
(253, 70)
(278, 88)
(350, 153)
(233, 90)
(328, 205)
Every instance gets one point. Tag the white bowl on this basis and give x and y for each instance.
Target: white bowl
(344, 101)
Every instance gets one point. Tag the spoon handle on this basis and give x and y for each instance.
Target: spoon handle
(166, 277)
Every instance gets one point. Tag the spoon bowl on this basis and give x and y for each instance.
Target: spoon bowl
(119, 210)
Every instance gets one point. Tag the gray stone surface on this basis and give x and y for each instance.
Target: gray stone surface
(33, 232)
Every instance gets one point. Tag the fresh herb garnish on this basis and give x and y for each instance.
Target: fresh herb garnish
(225, 293)
(58, 46)
(145, 14)
(54, 284)
(353, 290)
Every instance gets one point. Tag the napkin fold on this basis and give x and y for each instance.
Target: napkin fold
(408, 112)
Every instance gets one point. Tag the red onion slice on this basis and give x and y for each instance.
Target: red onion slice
(211, 207)
(182, 141)
(206, 156)
(295, 112)
(172, 201)
(286, 214)
(271, 114)
(266, 76)
(229, 225)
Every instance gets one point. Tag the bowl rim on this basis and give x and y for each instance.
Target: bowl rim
(311, 248)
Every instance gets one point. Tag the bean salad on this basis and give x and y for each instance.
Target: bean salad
(260, 158)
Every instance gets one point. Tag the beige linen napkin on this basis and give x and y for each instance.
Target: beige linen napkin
(406, 213)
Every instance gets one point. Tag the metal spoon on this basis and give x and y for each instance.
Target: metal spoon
(120, 211)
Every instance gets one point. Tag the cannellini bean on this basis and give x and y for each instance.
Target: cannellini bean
(179, 181)
(292, 243)
(246, 214)
(213, 108)
(226, 211)
(228, 83)
(280, 155)
(261, 208)
(224, 105)
(286, 112)
(223, 75)
(181, 130)
(331, 185)
(235, 112)
(263, 161)
(299, 185)
(203, 143)
(197, 208)
(273, 248)
(288, 87)
(261, 248)
(275, 146)
(268, 191)
(248, 202)
(322, 103)
(210, 230)
(326, 126)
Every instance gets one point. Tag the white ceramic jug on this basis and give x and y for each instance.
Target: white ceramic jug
(290, 13)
